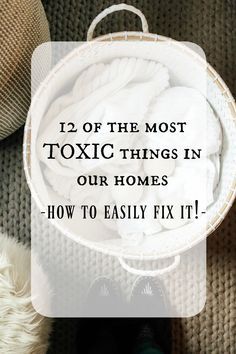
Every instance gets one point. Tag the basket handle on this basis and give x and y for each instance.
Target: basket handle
(112, 9)
(150, 273)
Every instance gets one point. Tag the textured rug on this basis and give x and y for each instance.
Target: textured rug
(211, 24)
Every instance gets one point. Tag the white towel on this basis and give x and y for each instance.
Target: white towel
(134, 90)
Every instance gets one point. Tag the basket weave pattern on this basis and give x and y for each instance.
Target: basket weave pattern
(24, 26)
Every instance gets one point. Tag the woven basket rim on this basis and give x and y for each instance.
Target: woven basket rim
(134, 35)
(218, 219)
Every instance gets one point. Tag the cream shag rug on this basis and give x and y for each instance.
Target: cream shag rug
(22, 329)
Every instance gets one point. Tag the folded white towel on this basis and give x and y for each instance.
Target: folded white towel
(120, 90)
(134, 90)
(183, 104)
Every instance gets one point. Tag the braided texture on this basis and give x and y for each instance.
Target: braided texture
(211, 24)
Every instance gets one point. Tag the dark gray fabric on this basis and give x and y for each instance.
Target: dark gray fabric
(211, 24)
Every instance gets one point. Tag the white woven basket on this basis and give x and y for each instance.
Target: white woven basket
(218, 96)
